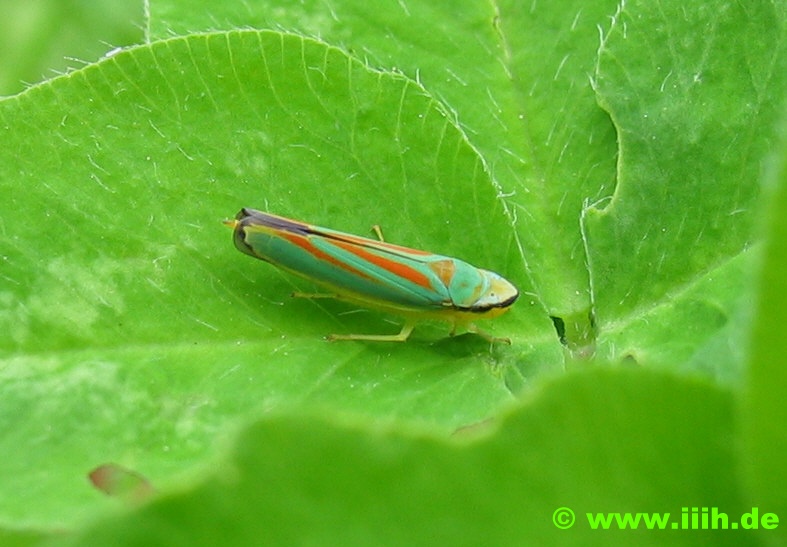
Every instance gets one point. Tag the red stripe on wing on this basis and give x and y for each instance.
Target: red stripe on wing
(307, 246)
(397, 268)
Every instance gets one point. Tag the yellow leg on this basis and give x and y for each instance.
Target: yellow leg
(378, 232)
(407, 328)
(486, 336)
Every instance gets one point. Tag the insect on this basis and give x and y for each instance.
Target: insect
(415, 285)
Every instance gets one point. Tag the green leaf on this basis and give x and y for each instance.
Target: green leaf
(131, 331)
(41, 38)
(129, 316)
(21, 538)
(764, 413)
(351, 486)
(687, 124)
(693, 135)
(517, 77)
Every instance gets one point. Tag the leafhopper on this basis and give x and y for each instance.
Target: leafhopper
(409, 283)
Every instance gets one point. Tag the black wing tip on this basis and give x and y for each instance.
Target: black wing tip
(251, 217)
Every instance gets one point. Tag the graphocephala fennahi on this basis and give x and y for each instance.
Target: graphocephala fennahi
(416, 285)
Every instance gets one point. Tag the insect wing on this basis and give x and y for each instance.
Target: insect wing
(348, 264)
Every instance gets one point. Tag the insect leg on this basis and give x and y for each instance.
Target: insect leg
(407, 328)
(486, 336)
(378, 232)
